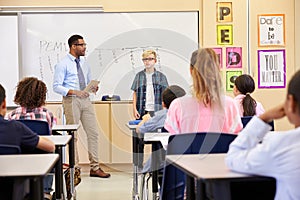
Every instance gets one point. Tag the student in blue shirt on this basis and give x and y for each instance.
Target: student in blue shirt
(153, 124)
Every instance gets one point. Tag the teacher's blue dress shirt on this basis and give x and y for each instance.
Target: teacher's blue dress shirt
(65, 75)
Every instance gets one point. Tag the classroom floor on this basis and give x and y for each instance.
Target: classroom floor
(118, 186)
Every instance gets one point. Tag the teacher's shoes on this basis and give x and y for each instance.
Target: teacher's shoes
(99, 173)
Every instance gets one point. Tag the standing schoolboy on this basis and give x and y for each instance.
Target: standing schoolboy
(147, 87)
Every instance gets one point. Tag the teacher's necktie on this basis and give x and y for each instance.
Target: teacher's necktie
(80, 74)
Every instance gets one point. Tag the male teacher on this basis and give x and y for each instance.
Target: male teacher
(71, 76)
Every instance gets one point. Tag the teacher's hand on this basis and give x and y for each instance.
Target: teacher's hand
(94, 89)
(82, 94)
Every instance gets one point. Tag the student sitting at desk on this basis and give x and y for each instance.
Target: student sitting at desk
(275, 154)
(16, 133)
(244, 85)
(153, 124)
(31, 96)
(207, 109)
(149, 124)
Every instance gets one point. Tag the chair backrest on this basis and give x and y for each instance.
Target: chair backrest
(37, 126)
(192, 143)
(246, 119)
(6, 149)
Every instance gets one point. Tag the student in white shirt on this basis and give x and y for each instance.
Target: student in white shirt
(275, 154)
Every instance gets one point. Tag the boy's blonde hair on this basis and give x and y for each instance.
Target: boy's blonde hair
(148, 53)
(207, 82)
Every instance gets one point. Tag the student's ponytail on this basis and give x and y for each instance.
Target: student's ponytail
(246, 85)
(249, 105)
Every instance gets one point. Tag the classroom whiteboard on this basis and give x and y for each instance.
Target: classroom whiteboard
(9, 65)
(115, 42)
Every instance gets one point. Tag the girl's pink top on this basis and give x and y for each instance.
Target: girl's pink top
(187, 115)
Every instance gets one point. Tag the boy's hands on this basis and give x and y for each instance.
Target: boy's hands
(136, 114)
(146, 117)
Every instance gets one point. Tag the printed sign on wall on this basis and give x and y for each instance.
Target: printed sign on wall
(271, 68)
(224, 12)
(271, 30)
(234, 57)
(224, 35)
(230, 78)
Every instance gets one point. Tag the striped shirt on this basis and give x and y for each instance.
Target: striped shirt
(40, 113)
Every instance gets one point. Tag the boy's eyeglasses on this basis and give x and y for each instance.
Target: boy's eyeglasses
(149, 59)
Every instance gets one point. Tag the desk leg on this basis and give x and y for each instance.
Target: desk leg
(36, 188)
(190, 187)
(58, 174)
(201, 193)
(154, 169)
(135, 158)
(72, 163)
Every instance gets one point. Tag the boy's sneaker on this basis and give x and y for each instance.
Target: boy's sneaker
(47, 196)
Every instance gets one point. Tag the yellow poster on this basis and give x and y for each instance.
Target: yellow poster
(224, 34)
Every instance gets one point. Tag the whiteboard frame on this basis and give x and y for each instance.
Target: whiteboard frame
(21, 34)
